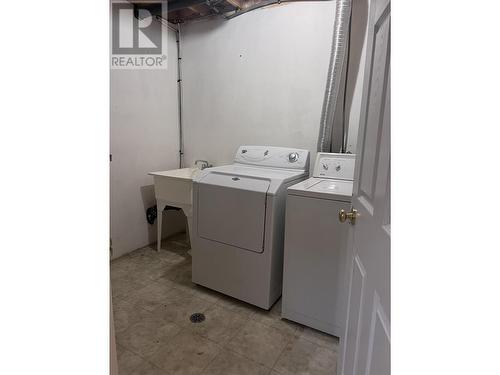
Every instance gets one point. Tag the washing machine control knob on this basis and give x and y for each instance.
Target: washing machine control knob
(293, 157)
(325, 166)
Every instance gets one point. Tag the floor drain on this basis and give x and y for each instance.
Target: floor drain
(197, 318)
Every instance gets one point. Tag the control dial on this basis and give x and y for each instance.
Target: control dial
(293, 157)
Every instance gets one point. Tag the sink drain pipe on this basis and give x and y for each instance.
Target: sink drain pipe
(334, 77)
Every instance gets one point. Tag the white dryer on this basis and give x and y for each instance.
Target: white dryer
(239, 219)
(314, 279)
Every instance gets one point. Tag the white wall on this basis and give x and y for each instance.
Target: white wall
(144, 138)
(256, 79)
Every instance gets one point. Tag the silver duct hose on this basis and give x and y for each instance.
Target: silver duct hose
(261, 4)
(337, 54)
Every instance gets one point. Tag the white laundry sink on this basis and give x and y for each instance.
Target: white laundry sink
(174, 188)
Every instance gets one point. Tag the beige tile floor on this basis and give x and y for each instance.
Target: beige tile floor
(153, 298)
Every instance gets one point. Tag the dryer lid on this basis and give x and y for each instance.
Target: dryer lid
(236, 181)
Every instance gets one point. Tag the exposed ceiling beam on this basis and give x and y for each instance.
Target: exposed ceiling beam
(235, 3)
(181, 4)
(198, 9)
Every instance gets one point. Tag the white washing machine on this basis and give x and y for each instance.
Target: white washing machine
(239, 220)
(316, 245)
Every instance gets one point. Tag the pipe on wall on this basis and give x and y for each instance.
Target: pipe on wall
(179, 92)
(177, 30)
(334, 77)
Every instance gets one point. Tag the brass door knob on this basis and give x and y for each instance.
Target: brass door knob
(351, 216)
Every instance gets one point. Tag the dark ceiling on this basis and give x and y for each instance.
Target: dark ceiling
(179, 11)
(185, 10)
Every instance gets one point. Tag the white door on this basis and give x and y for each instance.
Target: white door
(366, 344)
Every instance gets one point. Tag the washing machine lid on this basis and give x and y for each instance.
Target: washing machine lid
(324, 188)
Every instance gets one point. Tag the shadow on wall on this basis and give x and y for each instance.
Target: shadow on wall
(173, 221)
(359, 21)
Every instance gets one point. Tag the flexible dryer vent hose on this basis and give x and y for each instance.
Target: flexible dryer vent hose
(337, 54)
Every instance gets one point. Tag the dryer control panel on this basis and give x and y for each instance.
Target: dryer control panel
(273, 157)
(335, 166)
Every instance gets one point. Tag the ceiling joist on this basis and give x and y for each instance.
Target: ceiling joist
(179, 11)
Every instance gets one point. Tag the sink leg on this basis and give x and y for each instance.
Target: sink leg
(188, 229)
(159, 219)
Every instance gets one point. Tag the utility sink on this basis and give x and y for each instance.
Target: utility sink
(174, 185)
(174, 188)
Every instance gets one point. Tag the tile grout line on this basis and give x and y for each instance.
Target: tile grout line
(141, 357)
(212, 360)
(170, 339)
(223, 347)
(315, 343)
(243, 355)
(131, 351)
(289, 341)
(248, 358)
(272, 326)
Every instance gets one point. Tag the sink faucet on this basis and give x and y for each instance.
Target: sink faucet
(204, 164)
